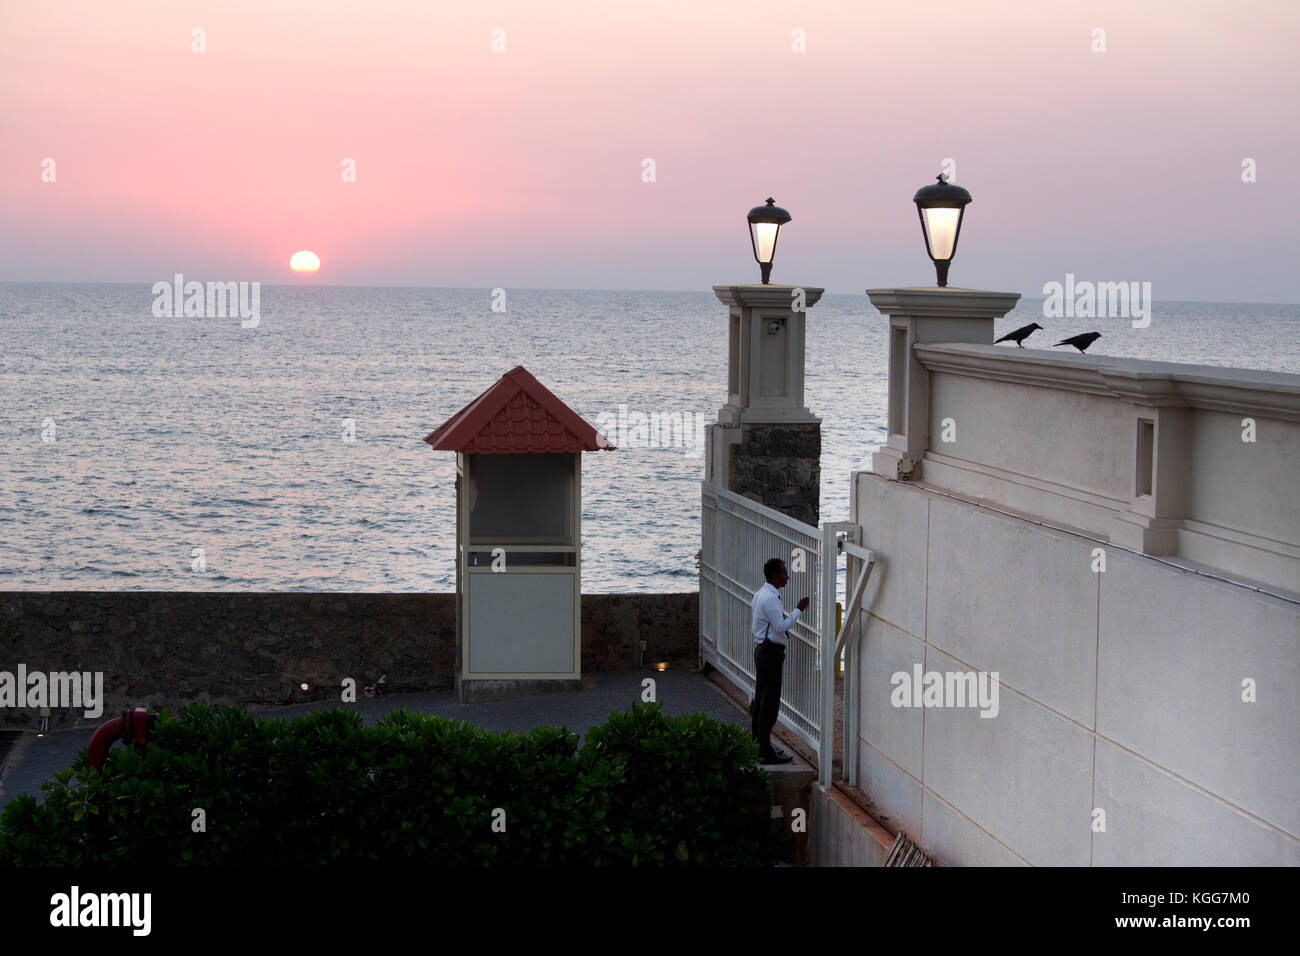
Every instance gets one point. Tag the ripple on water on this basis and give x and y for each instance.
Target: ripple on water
(200, 435)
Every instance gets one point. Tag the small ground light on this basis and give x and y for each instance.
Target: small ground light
(661, 666)
(305, 687)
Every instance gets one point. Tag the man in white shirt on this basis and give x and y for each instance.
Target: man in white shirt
(770, 625)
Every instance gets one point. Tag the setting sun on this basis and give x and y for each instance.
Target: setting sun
(304, 261)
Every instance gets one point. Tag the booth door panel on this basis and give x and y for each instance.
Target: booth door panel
(521, 622)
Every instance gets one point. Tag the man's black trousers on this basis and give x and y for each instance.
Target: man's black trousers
(769, 659)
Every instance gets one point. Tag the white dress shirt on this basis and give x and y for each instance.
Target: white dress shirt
(770, 620)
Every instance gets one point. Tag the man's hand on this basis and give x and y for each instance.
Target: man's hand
(802, 605)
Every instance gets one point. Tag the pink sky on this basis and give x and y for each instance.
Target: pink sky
(523, 168)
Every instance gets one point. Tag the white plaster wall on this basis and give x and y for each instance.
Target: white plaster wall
(1068, 454)
(896, 732)
(1249, 486)
(896, 591)
(1175, 648)
(1087, 446)
(891, 763)
(1029, 612)
(1152, 817)
(1023, 776)
(954, 840)
(1120, 690)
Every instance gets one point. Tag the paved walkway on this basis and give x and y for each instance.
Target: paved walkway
(33, 760)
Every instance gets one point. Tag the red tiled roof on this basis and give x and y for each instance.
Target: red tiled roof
(518, 415)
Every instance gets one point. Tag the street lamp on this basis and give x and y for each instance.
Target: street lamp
(941, 206)
(764, 224)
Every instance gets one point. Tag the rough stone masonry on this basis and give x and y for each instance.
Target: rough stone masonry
(172, 648)
(780, 466)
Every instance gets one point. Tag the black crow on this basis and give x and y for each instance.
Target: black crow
(1080, 341)
(1020, 334)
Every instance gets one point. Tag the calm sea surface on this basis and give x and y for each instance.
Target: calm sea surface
(181, 433)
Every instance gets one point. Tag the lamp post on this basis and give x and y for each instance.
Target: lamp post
(766, 443)
(941, 207)
(764, 224)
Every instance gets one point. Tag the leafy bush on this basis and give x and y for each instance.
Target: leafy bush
(645, 788)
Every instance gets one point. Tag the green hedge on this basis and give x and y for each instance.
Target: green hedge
(644, 789)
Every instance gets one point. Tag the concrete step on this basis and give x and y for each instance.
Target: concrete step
(791, 785)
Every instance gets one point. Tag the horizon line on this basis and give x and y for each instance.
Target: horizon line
(461, 288)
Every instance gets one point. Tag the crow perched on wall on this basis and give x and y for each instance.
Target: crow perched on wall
(1080, 341)
(1020, 334)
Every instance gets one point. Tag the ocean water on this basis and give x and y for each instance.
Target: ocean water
(176, 434)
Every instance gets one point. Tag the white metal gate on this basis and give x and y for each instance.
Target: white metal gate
(737, 536)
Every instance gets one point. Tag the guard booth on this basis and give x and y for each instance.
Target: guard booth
(518, 537)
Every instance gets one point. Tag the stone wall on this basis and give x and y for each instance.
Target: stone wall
(780, 466)
(171, 648)
(613, 626)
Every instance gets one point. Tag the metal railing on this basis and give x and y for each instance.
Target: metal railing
(737, 536)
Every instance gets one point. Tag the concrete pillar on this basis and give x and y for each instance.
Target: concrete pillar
(766, 443)
(920, 316)
(1159, 487)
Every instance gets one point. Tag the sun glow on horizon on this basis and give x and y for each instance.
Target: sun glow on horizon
(304, 261)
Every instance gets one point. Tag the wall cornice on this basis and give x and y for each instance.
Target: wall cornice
(932, 302)
(1274, 395)
(765, 296)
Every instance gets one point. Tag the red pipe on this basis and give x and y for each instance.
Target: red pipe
(131, 728)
